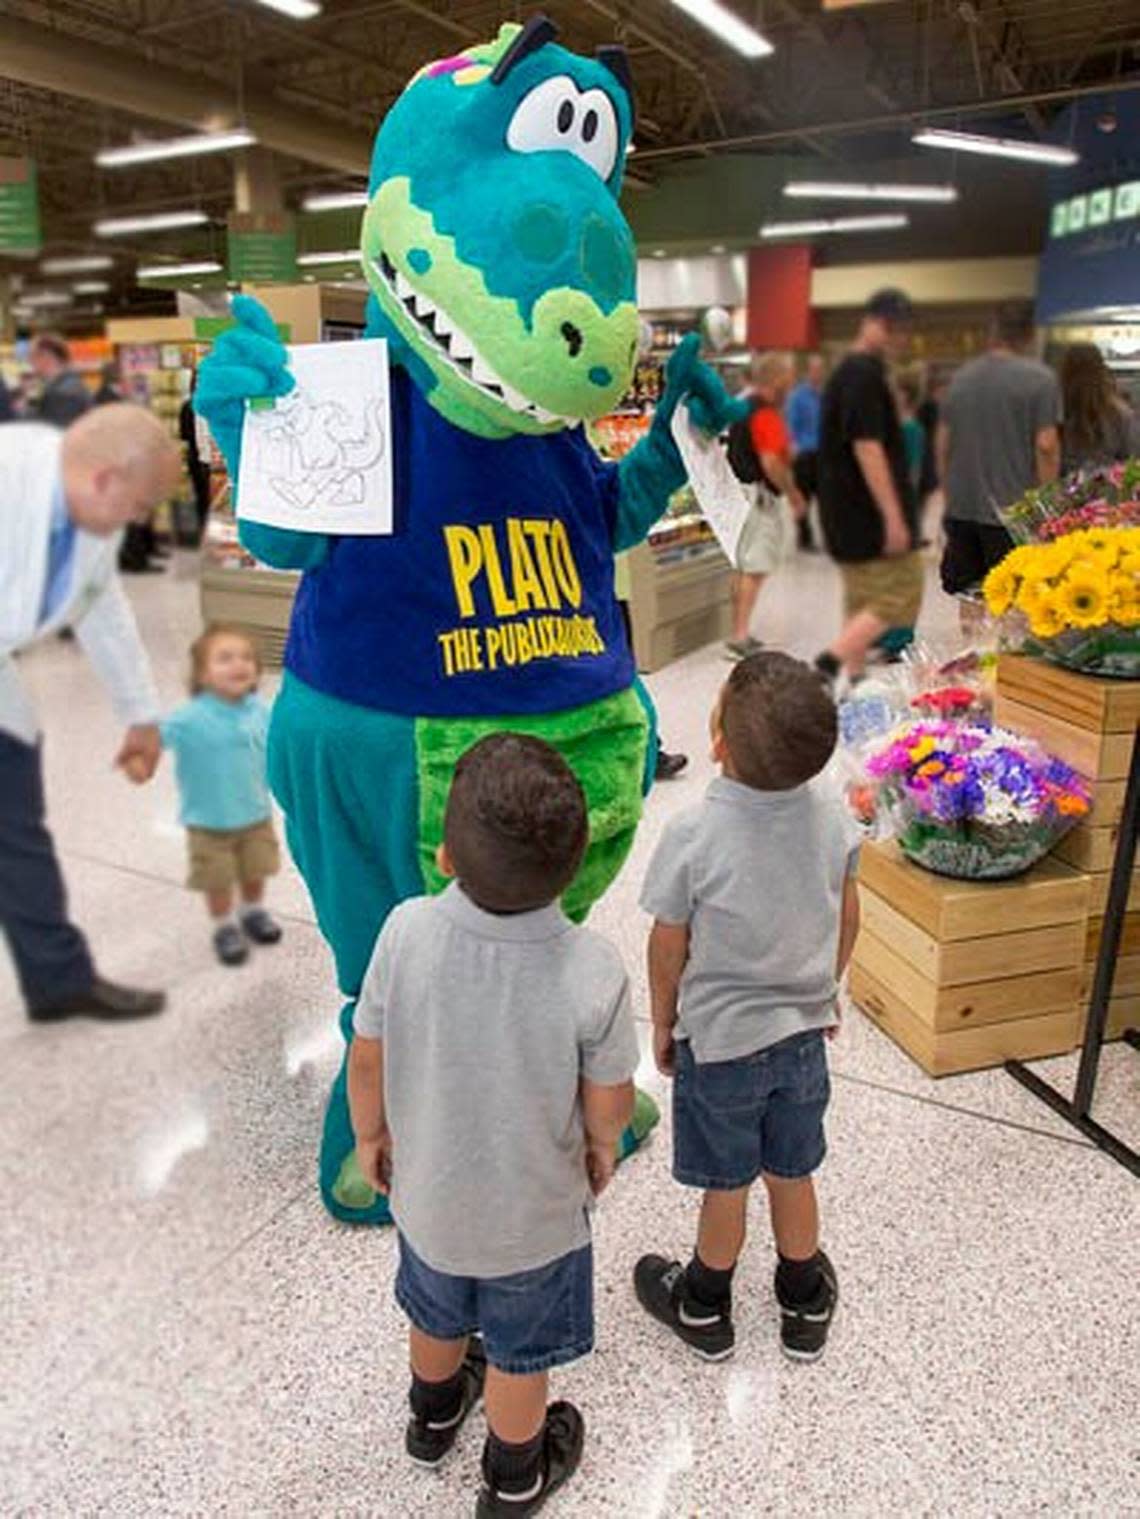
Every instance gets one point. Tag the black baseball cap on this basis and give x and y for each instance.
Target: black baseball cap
(891, 305)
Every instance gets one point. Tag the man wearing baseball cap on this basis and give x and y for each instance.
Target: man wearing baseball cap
(867, 503)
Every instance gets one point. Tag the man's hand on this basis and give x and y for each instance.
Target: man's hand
(140, 752)
(600, 1163)
(664, 1050)
(896, 540)
(374, 1157)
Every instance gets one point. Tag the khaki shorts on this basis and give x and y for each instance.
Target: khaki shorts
(221, 857)
(891, 588)
(767, 535)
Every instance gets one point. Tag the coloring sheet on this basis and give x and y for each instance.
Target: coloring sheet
(319, 460)
(720, 495)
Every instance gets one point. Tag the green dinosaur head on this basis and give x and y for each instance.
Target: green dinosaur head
(502, 269)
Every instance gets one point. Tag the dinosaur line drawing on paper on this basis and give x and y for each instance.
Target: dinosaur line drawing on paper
(319, 452)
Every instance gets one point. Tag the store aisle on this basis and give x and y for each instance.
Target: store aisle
(186, 1332)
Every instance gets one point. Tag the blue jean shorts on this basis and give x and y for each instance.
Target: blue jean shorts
(734, 1119)
(529, 1322)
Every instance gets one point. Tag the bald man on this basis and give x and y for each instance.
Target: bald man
(66, 499)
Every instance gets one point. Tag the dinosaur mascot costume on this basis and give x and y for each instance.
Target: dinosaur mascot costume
(502, 274)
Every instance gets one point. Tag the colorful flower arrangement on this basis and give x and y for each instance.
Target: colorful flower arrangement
(1105, 498)
(972, 801)
(1080, 595)
(948, 701)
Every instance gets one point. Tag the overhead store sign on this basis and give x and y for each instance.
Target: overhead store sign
(262, 248)
(1099, 208)
(19, 208)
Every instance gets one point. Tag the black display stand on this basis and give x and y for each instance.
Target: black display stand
(1076, 1109)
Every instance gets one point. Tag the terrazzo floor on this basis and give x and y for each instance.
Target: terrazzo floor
(183, 1331)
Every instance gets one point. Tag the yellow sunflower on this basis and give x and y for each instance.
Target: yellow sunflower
(1124, 605)
(1046, 619)
(1130, 562)
(1034, 591)
(1083, 597)
(1000, 587)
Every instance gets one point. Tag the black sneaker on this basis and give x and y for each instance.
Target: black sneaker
(563, 1437)
(428, 1442)
(669, 765)
(660, 1288)
(229, 945)
(260, 926)
(804, 1326)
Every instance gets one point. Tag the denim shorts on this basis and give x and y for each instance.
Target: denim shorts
(734, 1119)
(529, 1322)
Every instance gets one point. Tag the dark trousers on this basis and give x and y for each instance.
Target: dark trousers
(51, 955)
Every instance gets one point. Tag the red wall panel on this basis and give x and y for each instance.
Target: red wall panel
(779, 297)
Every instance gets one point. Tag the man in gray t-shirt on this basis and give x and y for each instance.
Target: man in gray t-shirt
(489, 1081)
(998, 436)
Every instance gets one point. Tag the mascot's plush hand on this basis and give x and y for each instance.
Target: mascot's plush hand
(688, 379)
(247, 362)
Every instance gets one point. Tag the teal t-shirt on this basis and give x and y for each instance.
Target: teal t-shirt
(219, 755)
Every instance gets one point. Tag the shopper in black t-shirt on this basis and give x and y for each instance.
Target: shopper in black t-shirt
(867, 504)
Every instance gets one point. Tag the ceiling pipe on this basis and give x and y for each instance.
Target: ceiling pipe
(965, 110)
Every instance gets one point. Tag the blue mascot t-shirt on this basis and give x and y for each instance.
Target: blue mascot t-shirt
(493, 595)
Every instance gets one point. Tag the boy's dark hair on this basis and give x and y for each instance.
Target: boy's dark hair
(515, 825)
(779, 721)
(200, 651)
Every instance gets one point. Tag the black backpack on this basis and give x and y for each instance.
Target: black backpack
(742, 458)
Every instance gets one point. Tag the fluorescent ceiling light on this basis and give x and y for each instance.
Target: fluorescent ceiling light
(300, 10)
(34, 298)
(165, 271)
(838, 224)
(349, 256)
(813, 189)
(995, 147)
(90, 287)
(728, 26)
(85, 263)
(336, 200)
(159, 221)
(173, 147)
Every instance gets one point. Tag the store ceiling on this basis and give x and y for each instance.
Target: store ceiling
(842, 91)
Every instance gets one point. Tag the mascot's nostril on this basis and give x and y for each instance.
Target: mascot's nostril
(573, 338)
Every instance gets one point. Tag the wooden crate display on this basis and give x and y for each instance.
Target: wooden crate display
(966, 974)
(1089, 723)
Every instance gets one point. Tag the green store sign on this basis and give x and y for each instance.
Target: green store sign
(19, 208)
(1099, 208)
(262, 249)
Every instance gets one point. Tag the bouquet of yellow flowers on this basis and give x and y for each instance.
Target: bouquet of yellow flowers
(1080, 595)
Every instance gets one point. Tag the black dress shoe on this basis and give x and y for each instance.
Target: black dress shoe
(103, 1000)
(670, 765)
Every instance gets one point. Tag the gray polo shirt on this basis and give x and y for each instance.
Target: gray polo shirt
(758, 876)
(489, 1023)
(995, 408)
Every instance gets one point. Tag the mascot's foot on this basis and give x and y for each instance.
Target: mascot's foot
(646, 1117)
(352, 1200)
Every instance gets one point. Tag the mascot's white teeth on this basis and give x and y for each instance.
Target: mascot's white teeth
(455, 345)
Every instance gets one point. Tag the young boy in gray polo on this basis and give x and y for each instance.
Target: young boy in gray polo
(489, 1082)
(755, 909)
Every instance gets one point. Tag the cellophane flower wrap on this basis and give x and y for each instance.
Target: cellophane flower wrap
(1079, 596)
(973, 801)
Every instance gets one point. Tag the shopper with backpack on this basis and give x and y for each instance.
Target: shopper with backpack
(760, 454)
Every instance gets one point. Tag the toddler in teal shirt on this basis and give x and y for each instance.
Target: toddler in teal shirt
(218, 739)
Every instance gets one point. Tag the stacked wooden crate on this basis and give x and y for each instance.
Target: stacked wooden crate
(1089, 723)
(965, 974)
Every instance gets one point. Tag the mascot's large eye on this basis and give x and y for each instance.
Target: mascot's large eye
(559, 117)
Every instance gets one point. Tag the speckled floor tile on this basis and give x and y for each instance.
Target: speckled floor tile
(186, 1333)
